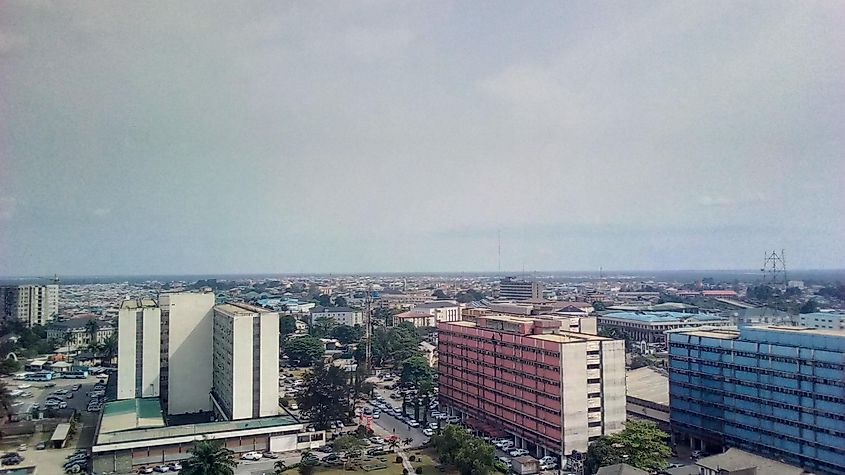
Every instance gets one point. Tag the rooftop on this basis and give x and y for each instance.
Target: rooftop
(128, 414)
(735, 459)
(620, 469)
(320, 309)
(138, 303)
(240, 309)
(648, 384)
(662, 317)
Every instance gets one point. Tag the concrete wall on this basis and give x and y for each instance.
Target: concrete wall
(126, 354)
(269, 358)
(152, 352)
(613, 385)
(574, 396)
(242, 367)
(189, 353)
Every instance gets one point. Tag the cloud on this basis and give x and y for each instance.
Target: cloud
(9, 42)
(742, 199)
(8, 207)
(374, 44)
(101, 211)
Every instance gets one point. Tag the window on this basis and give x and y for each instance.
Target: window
(594, 409)
(301, 439)
(595, 424)
(593, 380)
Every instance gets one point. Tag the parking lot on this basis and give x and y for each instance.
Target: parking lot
(51, 460)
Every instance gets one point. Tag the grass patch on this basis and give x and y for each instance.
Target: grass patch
(427, 459)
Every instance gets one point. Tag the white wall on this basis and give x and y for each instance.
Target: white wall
(574, 396)
(126, 354)
(269, 405)
(242, 368)
(613, 385)
(152, 352)
(190, 369)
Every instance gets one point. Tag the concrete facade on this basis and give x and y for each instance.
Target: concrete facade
(186, 337)
(515, 289)
(829, 320)
(245, 362)
(341, 315)
(139, 348)
(31, 304)
(528, 378)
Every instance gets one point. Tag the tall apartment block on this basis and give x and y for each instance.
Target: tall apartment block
(31, 304)
(776, 391)
(514, 289)
(553, 390)
(139, 349)
(245, 362)
(164, 349)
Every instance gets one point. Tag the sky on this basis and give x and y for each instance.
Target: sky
(200, 137)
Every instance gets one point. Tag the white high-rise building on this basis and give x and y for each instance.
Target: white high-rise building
(164, 350)
(245, 381)
(186, 322)
(139, 349)
(31, 304)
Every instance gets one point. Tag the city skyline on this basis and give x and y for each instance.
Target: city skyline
(419, 137)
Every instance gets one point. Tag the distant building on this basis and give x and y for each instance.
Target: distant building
(776, 391)
(515, 289)
(441, 310)
(139, 349)
(429, 352)
(31, 304)
(525, 378)
(757, 316)
(651, 326)
(341, 315)
(78, 331)
(417, 318)
(739, 462)
(621, 469)
(829, 320)
(245, 380)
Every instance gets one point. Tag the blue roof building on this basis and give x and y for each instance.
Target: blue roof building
(651, 326)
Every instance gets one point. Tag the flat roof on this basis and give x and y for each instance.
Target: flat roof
(138, 435)
(129, 414)
(61, 432)
(735, 459)
(138, 303)
(795, 329)
(663, 317)
(560, 336)
(648, 384)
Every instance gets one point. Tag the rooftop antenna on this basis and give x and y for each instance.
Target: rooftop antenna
(774, 268)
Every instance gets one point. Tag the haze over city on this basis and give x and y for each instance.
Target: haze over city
(147, 138)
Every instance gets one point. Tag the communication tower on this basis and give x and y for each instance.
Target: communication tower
(774, 268)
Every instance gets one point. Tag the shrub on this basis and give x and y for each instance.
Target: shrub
(412, 458)
(398, 459)
(418, 470)
(404, 471)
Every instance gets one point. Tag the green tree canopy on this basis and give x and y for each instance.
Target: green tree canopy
(304, 351)
(470, 455)
(810, 306)
(209, 457)
(348, 334)
(325, 397)
(287, 325)
(322, 326)
(641, 444)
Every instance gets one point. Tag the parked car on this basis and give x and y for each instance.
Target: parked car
(41, 446)
(269, 455)
(75, 387)
(145, 470)
(548, 466)
(517, 452)
(161, 469)
(428, 432)
(251, 456)
(22, 448)
(326, 449)
(175, 466)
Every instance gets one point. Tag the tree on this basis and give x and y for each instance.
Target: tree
(348, 334)
(598, 306)
(322, 326)
(439, 294)
(393, 442)
(6, 401)
(340, 301)
(810, 306)
(9, 366)
(641, 444)
(351, 445)
(209, 457)
(304, 351)
(469, 454)
(308, 463)
(415, 374)
(91, 328)
(324, 300)
(108, 348)
(287, 325)
(325, 397)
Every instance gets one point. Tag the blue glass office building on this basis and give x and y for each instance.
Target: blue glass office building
(775, 391)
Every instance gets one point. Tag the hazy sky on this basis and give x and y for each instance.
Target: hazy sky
(185, 137)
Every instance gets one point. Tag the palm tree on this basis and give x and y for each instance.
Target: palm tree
(108, 348)
(393, 442)
(91, 327)
(408, 441)
(6, 401)
(209, 457)
(279, 467)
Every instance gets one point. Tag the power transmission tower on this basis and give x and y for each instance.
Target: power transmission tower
(774, 268)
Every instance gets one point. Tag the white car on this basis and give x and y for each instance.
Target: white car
(547, 460)
(548, 466)
(517, 452)
(413, 423)
(428, 432)
(251, 456)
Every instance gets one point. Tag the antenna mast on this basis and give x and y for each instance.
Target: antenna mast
(774, 268)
